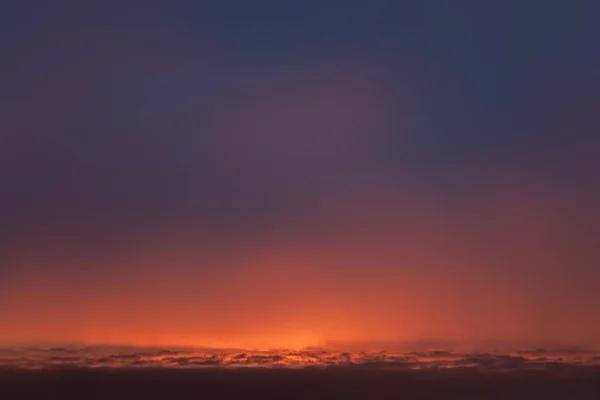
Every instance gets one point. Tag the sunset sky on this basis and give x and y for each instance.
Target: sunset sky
(287, 173)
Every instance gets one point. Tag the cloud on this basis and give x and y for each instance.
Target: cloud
(160, 358)
(195, 361)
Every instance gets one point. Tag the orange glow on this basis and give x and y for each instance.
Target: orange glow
(348, 278)
(166, 184)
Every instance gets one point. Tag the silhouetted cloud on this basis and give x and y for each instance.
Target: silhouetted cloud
(109, 357)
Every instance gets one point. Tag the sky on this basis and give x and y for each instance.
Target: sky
(282, 174)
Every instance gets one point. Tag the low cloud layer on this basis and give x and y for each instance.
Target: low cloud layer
(132, 357)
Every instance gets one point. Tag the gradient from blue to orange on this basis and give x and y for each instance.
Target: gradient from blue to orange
(280, 175)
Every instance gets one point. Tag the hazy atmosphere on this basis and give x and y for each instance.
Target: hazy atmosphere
(295, 173)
